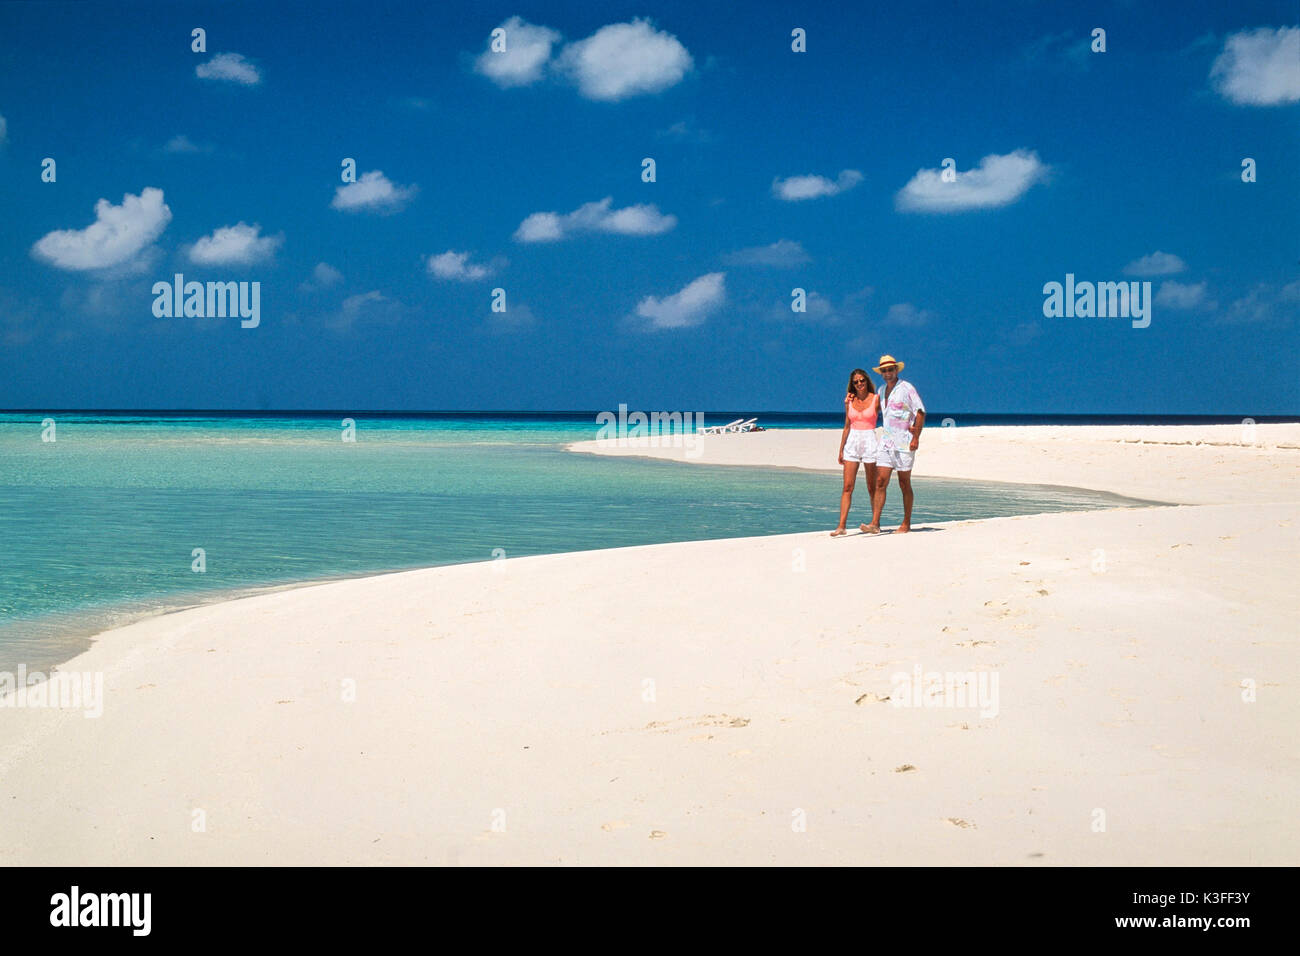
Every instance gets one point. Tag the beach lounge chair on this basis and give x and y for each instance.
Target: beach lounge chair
(718, 429)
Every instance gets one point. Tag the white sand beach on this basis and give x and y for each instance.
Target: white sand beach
(725, 701)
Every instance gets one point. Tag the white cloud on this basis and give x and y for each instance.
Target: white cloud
(326, 275)
(686, 308)
(118, 234)
(1259, 67)
(1024, 333)
(1157, 264)
(823, 310)
(640, 220)
(370, 307)
(146, 261)
(322, 277)
(354, 304)
(456, 265)
(109, 296)
(372, 192)
(230, 67)
(1068, 48)
(528, 49)
(541, 227)
(625, 59)
(183, 144)
(996, 181)
(1264, 304)
(684, 132)
(782, 254)
(239, 244)
(516, 317)
(1179, 295)
(906, 315)
(814, 187)
(817, 308)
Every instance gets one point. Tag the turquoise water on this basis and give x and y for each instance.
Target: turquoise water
(99, 526)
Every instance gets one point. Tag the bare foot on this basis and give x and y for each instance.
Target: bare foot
(837, 532)
(903, 528)
(869, 528)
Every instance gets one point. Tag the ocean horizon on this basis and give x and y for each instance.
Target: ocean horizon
(773, 419)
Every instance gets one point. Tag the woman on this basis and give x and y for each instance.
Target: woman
(858, 440)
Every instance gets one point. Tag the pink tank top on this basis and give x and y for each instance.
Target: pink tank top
(866, 418)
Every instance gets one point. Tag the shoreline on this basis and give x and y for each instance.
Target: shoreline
(1150, 467)
(80, 633)
(680, 702)
(78, 629)
(576, 448)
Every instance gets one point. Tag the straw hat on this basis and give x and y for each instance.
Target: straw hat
(888, 360)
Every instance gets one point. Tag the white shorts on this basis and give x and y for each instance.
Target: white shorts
(899, 459)
(860, 445)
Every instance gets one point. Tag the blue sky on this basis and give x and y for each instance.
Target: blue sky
(775, 170)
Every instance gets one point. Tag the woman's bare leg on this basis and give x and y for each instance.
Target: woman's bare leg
(846, 496)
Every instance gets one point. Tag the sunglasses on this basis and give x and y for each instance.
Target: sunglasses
(859, 381)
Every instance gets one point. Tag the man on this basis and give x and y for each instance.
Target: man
(904, 417)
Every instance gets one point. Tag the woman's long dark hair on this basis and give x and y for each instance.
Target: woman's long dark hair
(871, 386)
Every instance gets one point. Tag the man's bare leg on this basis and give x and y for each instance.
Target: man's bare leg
(877, 501)
(905, 483)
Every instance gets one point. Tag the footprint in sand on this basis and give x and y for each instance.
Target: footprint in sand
(960, 823)
(657, 834)
(904, 768)
(615, 825)
(870, 698)
(708, 720)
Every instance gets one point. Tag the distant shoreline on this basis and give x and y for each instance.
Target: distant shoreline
(831, 417)
(1089, 457)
